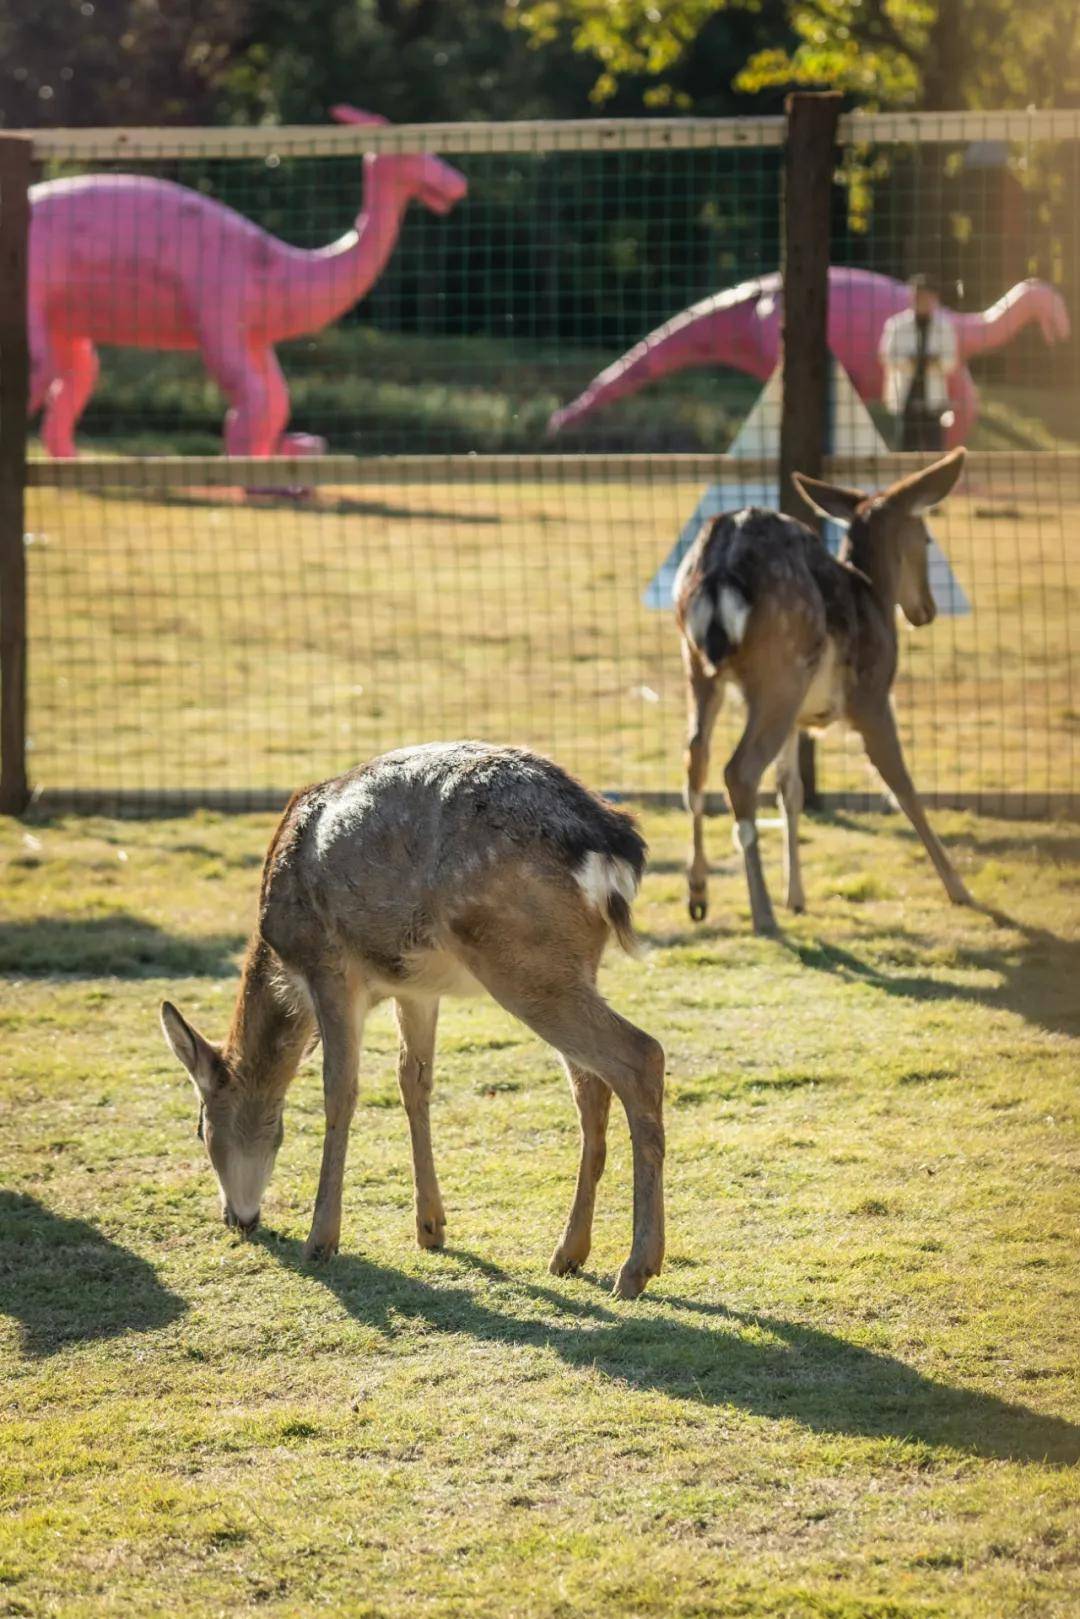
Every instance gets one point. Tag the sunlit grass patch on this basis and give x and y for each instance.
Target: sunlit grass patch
(850, 1394)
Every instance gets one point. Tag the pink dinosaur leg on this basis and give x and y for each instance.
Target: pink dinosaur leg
(964, 398)
(278, 395)
(73, 382)
(249, 376)
(43, 366)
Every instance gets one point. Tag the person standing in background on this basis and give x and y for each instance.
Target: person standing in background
(918, 353)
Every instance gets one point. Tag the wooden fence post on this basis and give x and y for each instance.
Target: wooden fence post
(15, 161)
(804, 422)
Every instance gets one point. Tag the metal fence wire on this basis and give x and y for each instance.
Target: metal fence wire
(507, 396)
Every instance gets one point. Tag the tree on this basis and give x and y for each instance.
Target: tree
(74, 62)
(932, 54)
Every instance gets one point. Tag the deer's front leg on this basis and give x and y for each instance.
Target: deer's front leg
(339, 1015)
(416, 1024)
(877, 726)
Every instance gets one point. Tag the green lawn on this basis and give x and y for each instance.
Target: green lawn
(201, 641)
(852, 1393)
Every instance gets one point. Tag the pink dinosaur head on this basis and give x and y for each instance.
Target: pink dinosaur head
(424, 176)
(1052, 314)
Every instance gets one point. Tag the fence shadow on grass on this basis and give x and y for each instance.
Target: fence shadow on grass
(116, 946)
(301, 503)
(66, 1283)
(705, 1354)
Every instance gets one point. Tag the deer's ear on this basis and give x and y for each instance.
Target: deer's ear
(922, 490)
(829, 500)
(208, 1072)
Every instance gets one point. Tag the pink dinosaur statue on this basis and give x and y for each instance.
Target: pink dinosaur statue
(146, 263)
(740, 327)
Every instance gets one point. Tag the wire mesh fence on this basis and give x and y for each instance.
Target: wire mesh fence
(547, 378)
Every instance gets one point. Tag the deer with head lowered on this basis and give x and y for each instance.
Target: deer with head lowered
(807, 639)
(446, 869)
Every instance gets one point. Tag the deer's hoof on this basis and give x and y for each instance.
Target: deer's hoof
(765, 927)
(318, 1250)
(960, 896)
(630, 1282)
(697, 906)
(431, 1233)
(567, 1261)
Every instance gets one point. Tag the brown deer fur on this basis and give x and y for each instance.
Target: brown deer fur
(448, 869)
(807, 639)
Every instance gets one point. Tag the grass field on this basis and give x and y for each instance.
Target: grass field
(851, 1395)
(208, 641)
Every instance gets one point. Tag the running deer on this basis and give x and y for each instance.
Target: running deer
(807, 639)
(447, 869)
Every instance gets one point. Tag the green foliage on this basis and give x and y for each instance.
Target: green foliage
(928, 53)
(107, 62)
(630, 37)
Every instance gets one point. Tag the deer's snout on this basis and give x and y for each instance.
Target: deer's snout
(234, 1222)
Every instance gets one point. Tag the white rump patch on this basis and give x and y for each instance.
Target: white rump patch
(734, 612)
(601, 875)
(698, 619)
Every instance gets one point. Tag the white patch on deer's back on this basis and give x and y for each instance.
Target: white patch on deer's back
(734, 612)
(599, 875)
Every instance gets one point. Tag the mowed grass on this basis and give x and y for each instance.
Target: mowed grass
(852, 1393)
(206, 641)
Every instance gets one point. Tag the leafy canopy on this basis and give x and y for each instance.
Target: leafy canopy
(933, 54)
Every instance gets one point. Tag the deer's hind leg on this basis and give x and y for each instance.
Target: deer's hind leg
(772, 707)
(704, 695)
(593, 1098)
(416, 1024)
(559, 1000)
(790, 790)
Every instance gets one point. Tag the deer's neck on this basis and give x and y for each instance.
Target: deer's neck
(878, 562)
(271, 1025)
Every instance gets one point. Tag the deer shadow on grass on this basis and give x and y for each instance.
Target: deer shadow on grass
(1052, 842)
(1038, 974)
(116, 946)
(66, 1283)
(707, 1355)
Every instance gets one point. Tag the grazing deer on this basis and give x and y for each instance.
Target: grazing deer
(447, 869)
(807, 639)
